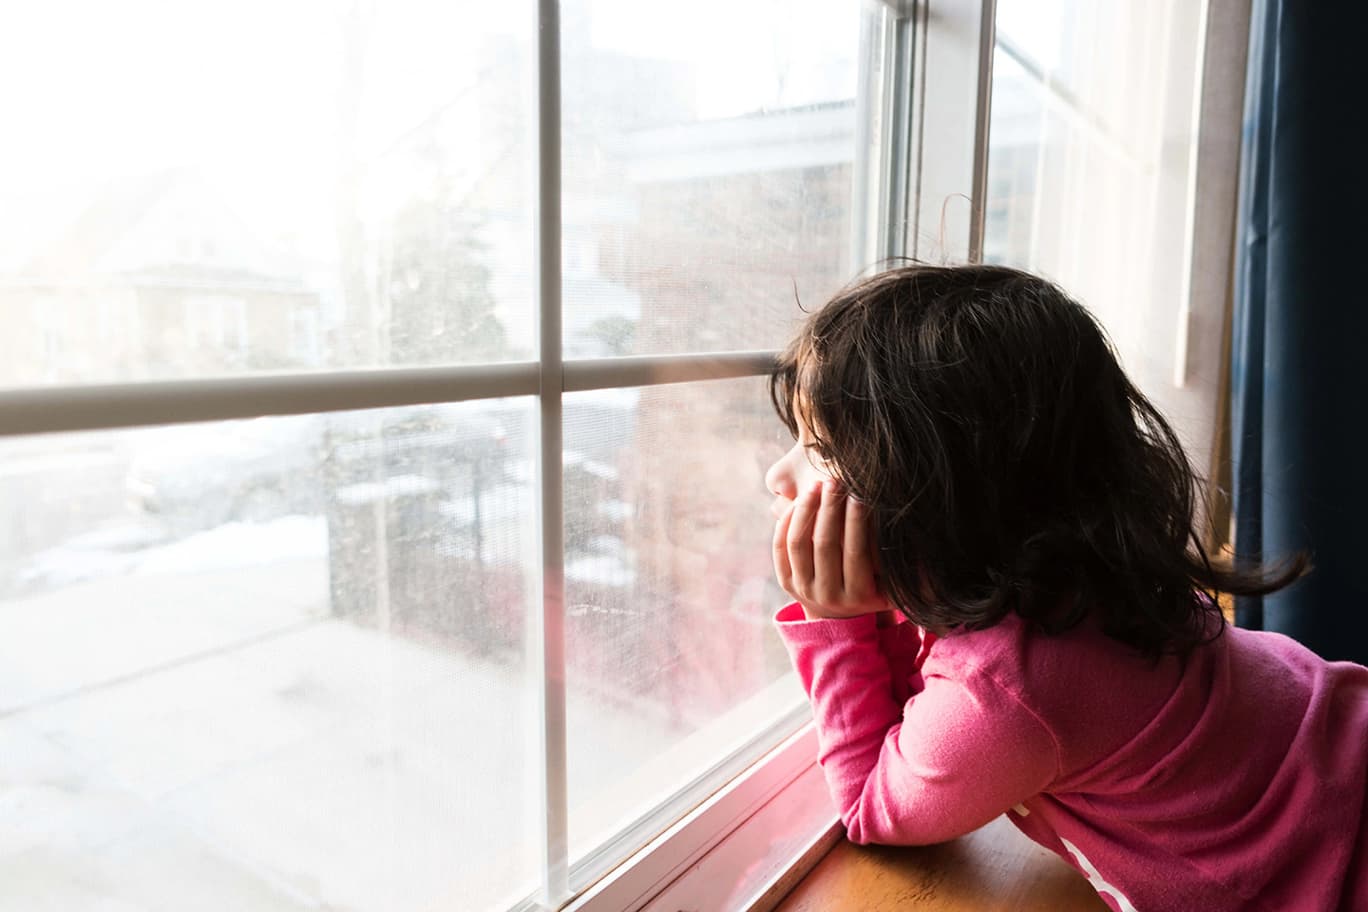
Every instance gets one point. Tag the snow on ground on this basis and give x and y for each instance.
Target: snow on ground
(239, 544)
(212, 739)
(183, 722)
(140, 548)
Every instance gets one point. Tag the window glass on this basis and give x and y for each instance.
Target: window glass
(1090, 161)
(707, 171)
(270, 664)
(286, 656)
(204, 189)
(669, 596)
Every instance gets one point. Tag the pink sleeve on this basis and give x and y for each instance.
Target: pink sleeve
(902, 645)
(944, 762)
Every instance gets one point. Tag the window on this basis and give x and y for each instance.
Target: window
(1091, 180)
(271, 612)
(383, 427)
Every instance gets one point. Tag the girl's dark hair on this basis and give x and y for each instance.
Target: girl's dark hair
(1008, 462)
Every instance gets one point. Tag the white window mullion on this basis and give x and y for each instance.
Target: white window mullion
(547, 630)
(89, 407)
(896, 177)
(949, 128)
(871, 127)
(651, 370)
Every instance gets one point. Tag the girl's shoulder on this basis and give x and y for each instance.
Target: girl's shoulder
(1091, 692)
(1046, 670)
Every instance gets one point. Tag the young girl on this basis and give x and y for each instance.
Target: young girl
(1035, 632)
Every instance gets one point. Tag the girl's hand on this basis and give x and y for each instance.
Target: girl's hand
(822, 554)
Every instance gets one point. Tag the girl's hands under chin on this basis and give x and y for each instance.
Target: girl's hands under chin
(822, 555)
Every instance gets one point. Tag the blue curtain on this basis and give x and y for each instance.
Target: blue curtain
(1300, 348)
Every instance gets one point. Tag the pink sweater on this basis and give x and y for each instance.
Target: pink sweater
(1236, 782)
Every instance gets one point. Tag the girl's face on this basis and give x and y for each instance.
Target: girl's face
(795, 472)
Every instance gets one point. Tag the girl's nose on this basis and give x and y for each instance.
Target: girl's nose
(779, 479)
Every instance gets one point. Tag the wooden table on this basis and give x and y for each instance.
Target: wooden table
(994, 869)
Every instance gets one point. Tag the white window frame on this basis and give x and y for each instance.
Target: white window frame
(900, 183)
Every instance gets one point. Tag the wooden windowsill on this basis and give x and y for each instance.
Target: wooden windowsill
(994, 869)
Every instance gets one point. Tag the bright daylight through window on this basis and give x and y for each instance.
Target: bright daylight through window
(282, 662)
(1091, 181)
(258, 654)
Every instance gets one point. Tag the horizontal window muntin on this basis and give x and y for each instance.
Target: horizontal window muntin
(91, 407)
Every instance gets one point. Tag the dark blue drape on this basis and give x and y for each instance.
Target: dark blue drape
(1300, 346)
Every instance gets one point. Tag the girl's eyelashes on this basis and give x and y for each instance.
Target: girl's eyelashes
(817, 450)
